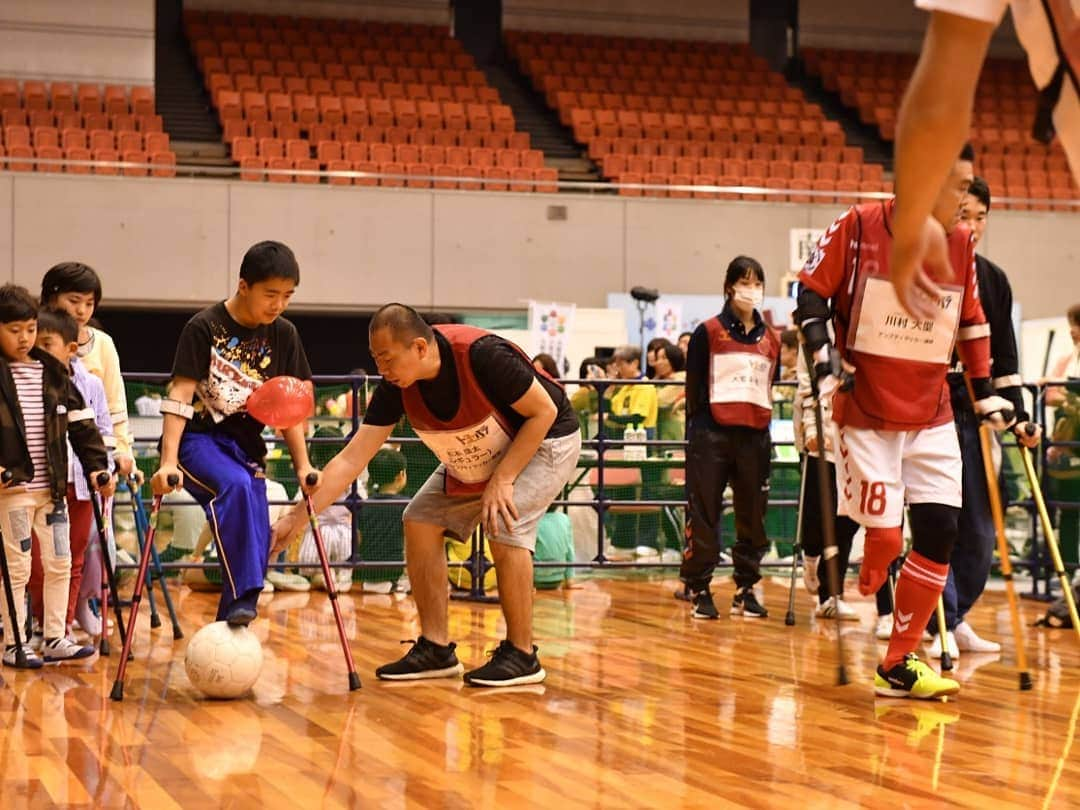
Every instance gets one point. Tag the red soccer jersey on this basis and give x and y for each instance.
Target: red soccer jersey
(900, 362)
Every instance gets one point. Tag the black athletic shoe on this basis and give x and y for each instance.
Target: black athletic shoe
(508, 666)
(745, 603)
(242, 611)
(425, 659)
(704, 607)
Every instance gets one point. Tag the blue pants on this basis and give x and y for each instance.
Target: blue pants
(969, 566)
(232, 489)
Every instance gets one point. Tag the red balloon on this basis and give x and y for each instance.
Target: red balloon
(282, 402)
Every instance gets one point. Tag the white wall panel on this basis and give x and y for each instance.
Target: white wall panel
(355, 247)
(499, 249)
(150, 239)
(110, 41)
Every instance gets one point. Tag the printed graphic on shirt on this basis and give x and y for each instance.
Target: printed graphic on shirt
(236, 369)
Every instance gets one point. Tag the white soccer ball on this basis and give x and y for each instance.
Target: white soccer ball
(223, 661)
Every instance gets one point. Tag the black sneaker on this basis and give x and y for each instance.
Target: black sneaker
(745, 603)
(425, 659)
(508, 666)
(704, 607)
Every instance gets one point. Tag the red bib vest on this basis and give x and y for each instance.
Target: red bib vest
(740, 376)
(472, 443)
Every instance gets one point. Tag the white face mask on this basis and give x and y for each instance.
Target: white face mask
(750, 298)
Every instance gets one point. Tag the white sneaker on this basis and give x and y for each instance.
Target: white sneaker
(33, 660)
(64, 649)
(809, 574)
(268, 586)
(968, 640)
(883, 628)
(934, 650)
(842, 611)
(284, 581)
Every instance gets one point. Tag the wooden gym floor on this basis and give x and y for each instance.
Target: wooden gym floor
(642, 708)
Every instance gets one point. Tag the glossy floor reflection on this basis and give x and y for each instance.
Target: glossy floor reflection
(642, 708)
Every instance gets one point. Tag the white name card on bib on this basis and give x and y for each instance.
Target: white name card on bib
(740, 377)
(885, 328)
(470, 454)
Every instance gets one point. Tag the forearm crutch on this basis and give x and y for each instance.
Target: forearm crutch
(331, 585)
(9, 595)
(1002, 547)
(1051, 536)
(136, 596)
(789, 618)
(140, 517)
(828, 517)
(109, 590)
(943, 635)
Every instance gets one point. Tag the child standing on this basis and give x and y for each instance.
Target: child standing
(382, 536)
(75, 288)
(57, 334)
(214, 448)
(40, 410)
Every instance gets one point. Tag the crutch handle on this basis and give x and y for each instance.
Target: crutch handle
(173, 480)
(102, 479)
(1029, 428)
(6, 476)
(312, 479)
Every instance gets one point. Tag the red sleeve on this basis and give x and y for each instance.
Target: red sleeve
(973, 337)
(826, 269)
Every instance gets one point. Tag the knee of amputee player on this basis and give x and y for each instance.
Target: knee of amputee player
(934, 529)
(882, 546)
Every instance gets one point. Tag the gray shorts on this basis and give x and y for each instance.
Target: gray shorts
(536, 487)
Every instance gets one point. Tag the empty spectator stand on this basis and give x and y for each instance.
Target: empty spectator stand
(378, 98)
(679, 113)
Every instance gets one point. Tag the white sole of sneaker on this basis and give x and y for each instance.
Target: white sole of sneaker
(745, 615)
(695, 615)
(428, 674)
(535, 677)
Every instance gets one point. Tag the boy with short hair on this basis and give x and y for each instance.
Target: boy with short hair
(58, 334)
(40, 410)
(213, 447)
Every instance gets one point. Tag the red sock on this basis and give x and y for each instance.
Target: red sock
(882, 546)
(917, 590)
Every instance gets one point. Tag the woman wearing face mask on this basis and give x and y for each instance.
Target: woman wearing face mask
(730, 365)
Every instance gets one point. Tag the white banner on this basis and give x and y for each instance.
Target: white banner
(550, 325)
(802, 241)
(669, 319)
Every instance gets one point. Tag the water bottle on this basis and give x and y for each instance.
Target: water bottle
(629, 435)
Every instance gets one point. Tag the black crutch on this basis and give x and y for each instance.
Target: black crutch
(136, 597)
(331, 585)
(9, 595)
(155, 559)
(828, 515)
(110, 592)
(789, 619)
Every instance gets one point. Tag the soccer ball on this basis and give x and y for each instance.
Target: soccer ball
(223, 661)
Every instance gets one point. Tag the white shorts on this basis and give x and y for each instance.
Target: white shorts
(877, 471)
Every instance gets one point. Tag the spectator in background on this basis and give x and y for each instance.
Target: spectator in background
(1063, 463)
(789, 355)
(546, 363)
(585, 401)
(631, 404)
(554, 543)
(669, 364)
(684, 341)
(382, 536)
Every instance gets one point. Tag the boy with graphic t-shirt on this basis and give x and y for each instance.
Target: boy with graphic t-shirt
(214, 447)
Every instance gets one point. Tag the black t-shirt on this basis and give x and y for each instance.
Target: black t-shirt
(504, 375)
(229, 361)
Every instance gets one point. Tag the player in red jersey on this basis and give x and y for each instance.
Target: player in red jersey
(894, 430)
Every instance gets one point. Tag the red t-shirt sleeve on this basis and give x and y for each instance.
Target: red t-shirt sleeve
(826, 268)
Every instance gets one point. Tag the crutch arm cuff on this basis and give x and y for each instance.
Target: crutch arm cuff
(177, 408)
